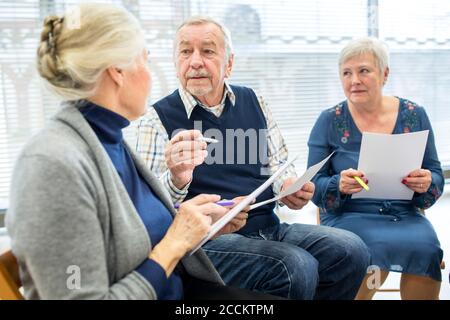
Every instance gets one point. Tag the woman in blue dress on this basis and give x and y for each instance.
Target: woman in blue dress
(399, 236)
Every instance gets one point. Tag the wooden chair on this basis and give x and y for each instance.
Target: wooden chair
(379, 290)
(9, 277)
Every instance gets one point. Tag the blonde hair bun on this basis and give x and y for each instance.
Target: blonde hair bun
(71, 59)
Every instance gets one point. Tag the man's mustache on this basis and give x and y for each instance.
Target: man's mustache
(197, 74)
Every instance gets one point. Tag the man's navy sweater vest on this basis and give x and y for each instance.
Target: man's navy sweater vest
(227, 174)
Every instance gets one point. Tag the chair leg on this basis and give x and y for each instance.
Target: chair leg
(365, 291)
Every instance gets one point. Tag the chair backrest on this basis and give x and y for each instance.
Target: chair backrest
(9, 277)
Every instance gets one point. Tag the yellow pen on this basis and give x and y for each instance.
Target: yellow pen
(365, 186)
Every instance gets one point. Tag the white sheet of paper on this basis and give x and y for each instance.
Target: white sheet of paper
(386, 159)
(219, 224)
(298, 184)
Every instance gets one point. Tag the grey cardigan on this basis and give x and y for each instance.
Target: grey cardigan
(73, 227)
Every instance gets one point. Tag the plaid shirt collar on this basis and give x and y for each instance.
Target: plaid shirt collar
(190, 101)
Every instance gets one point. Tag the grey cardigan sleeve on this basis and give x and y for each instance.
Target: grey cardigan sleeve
(57, 236)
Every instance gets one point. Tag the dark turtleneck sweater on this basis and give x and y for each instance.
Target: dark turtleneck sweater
(108, 126)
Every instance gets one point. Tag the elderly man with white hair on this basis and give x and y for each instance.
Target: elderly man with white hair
(290, 260)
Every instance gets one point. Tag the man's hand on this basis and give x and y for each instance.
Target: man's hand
(183, 153)
(300, 198)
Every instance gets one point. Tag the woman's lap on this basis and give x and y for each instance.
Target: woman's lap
(408, 245)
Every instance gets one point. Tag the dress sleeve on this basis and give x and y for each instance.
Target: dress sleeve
(430, 162)
(326, 196)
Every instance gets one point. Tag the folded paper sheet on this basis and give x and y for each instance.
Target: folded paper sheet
(307, 176)
(298, 184)
(219, 224)
(388, 158)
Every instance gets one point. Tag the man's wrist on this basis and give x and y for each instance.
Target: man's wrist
(179, 184)
(174, 184)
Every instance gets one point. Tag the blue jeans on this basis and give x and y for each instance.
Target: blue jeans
(296, 261)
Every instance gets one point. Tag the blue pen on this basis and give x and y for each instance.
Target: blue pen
(223, 203)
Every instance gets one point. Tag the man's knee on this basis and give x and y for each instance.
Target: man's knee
(303, 271)
(358, 253)
(350, 250)
(290, 272)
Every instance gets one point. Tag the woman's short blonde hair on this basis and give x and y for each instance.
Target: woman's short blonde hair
(72, 55)
(363, 46)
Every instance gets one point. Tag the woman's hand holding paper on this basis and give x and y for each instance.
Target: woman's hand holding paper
(237, 222)
(418, 180)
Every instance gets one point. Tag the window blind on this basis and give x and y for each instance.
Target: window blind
(418, 35)
(285, 50)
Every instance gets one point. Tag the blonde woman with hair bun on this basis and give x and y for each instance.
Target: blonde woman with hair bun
(86, 218)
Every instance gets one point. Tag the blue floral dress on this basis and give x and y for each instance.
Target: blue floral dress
(399, 237)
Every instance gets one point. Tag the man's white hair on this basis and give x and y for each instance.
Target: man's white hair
(198, 20)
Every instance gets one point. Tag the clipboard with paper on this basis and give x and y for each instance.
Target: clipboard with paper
(307, 176)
